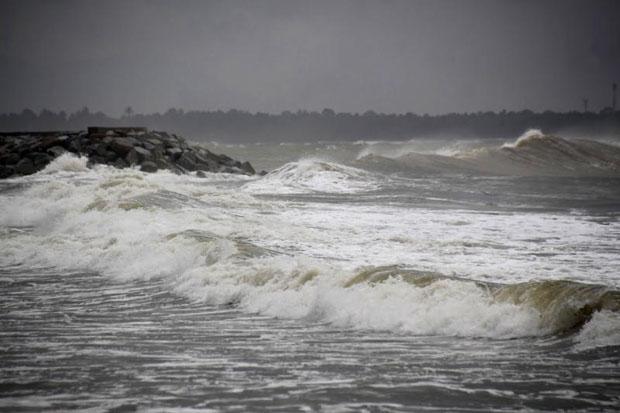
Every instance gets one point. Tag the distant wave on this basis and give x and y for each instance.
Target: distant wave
(395, 149)
(532, 154)
(524, 139)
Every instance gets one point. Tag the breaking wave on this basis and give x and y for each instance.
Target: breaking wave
(130, 225)
(394, 149)
(220, 245)
(67, 162)
(523, 140)
(312, 175)
(532, 154)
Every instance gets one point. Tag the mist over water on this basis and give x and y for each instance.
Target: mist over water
(367, 275)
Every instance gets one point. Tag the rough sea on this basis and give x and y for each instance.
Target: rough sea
(428, 275)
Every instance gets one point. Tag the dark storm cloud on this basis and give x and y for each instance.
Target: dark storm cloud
(390, 56)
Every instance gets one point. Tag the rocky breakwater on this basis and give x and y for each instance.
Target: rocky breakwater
(26, 153)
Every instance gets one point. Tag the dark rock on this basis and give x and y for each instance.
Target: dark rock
(120, 163)
(9, 159)
(158, 152)
(101, 149)
(247, 168)
(224, 158)
(48, 141)
(123, 146)
(171, 144)
(174, 152)
(6, 171)
(74, 146)
(205, 164)
(262, 173)
(22, 154)
(25, 167)
(6, 147)
(162, 163)
(110, 156)
(148, 166)
(142, 154)
(39, 158)
(132, 158)
(187, 161)
(56, 151)
(154, 141)
(201, 174)
(93, 160)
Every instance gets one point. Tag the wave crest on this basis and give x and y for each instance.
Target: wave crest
(532, 154)
(525, 138)
(312, 175)
(67, 162)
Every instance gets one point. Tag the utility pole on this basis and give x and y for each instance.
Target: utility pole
(585, 105)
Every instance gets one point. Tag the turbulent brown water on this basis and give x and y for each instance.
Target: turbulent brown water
(367, 276)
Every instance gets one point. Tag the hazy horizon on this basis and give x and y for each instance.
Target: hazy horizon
(270, 56)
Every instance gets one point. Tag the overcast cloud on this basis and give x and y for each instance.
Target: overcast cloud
(389, 56)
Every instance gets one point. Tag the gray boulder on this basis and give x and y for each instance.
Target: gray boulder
(245, 166)
(27, 153)
(6, 171)
(96, 159)
(154, 141)
(56, 151)
(25, 166)
(9, 159)
(123, 146)
(187, 161)
(143, 154)
(101, 149)
(174, 152)
(148, 166)
(39, 159)
(120, 163)
(132, 158)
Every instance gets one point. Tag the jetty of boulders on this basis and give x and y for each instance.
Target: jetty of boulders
(24, 153)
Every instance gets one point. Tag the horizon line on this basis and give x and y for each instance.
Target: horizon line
(182, 111)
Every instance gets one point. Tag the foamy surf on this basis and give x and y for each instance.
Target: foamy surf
(220, 246)
(322, 278)
(313, 175)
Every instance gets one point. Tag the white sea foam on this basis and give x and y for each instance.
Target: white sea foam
(601, 331)
(313, 175)
(67, 162)
(445, 308)
(528, 135)
(216, 243)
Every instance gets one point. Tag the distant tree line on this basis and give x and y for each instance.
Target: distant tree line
(240, 126)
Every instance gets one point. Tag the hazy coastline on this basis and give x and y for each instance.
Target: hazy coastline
(237, 126)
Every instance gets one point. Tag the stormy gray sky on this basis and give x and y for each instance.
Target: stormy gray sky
(390, 56)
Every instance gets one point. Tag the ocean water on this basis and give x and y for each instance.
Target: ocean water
(442, 275)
